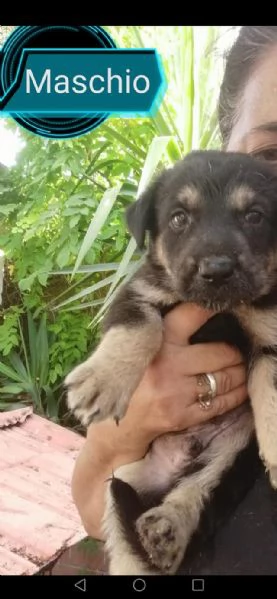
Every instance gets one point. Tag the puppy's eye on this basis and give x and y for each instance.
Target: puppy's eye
(253, 217)
(179, 220)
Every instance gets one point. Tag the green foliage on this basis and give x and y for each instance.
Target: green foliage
(62, 209)
(72, 338)
(9, 330)
(25, 372)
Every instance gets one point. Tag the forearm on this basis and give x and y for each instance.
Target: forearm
(106, 448)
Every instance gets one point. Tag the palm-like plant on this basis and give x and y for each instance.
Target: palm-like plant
(25, 374)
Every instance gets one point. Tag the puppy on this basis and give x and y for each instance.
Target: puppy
(211, 222)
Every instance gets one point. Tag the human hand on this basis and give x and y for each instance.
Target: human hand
(166, 399)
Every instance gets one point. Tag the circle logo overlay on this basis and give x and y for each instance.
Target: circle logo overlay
(64, 81)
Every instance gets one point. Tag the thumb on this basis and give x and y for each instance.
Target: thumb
(183, 321)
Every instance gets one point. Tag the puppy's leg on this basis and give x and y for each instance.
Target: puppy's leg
(127, 494)
(123, 557)
(166, 530)
(103, 385)
(263, 393)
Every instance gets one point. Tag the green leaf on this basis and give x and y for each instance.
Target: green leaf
(154, 155)
(26, 283)
(10, 405)
(63, 256)
(52, 404)
(122, 269)
(74, 221)
(84, 306)
(19, 367)
(97, 222)
(88, 268)
(32, 344)
(12, 389)
(113, 133)
(86, 291)
(42, 278)
(9, 373)
(186, 74)
(43, 351)
(6, 210)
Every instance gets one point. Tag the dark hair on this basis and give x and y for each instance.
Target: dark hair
(249, 48)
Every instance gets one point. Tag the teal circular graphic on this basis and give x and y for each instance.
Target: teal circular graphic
(55, 36)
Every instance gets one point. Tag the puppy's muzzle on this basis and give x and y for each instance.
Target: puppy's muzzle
(216, 269)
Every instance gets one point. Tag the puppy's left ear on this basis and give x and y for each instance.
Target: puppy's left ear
(140, 216)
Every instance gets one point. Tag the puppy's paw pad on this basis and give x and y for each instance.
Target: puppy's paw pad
(159, 535)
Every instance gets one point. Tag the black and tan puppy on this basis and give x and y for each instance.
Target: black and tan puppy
(212, 240)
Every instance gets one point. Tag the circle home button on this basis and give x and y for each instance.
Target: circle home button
(139, 585)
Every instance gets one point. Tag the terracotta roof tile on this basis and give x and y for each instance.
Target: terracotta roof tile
(37, 516)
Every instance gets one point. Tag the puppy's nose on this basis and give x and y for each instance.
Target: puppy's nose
(216, 268)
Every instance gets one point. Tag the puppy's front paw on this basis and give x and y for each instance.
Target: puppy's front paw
(89, 396)
(104, 384)
(99, 388)
(160, 534)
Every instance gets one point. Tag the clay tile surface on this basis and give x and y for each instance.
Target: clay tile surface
(38, 519)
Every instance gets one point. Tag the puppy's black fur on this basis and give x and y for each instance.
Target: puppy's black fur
(209, 225)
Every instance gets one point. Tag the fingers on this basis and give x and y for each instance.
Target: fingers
(183, 321)
(219, 405)
(228, 379)
(202, 358)
(211, 357)
(187, 387)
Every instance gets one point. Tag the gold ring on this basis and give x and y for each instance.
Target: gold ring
(205, 398)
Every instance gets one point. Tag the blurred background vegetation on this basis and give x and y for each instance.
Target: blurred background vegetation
(62, 207)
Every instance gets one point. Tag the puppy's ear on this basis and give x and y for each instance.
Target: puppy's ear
(140, 216)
